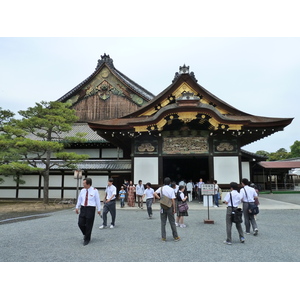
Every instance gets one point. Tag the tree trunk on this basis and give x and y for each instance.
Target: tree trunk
(46, 186)
(46, 177)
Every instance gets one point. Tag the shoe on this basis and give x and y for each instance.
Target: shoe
(247, 232)
(177, 225)
(227, 243)
(150, 217)
(255, 231)
(177, 239)
(182, 226)
(242, 240)
(86, 242)
(163, 239)
(111, 226)
(102, 226)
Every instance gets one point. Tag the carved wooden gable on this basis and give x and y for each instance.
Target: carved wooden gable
(106, 94)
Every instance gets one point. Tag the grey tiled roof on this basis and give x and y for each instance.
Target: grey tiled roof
(95, 164)
(91, 135)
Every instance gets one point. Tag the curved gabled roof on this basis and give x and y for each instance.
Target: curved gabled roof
(106, 61)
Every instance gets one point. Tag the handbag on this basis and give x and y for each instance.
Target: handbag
(183, 206)
(236, 213)
(165, 202)
(252, 206)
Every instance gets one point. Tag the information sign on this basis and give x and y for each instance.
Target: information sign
(208, 189)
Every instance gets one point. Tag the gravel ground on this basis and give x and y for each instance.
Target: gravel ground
(57, 238)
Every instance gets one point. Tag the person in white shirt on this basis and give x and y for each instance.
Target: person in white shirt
(139, 189)
(236, 200)
(149, 194)
(109, 204)
(189, 188)
(248, 195)
(167, 213)
(216, 193)
(88, 201)
(199, 189)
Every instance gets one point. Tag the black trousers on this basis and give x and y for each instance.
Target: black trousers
(86, 221)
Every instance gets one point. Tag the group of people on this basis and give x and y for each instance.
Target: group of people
(247, 196)
(89, 200)
(194, 190)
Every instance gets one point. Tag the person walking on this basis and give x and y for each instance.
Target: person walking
(180, 198)
(140, 193)
(167, 212)
(249, 196)
(236, 199)
(149, 194)
(87, 202)
(109, 204)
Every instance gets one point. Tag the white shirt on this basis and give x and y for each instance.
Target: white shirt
(149, 193)
(249, 195)
(199, 184)
(216, 188)
(167, 191)
(93, 198)
(236, 198)
(110, 191)
(181, 195)
(140, 189)
(189, 186)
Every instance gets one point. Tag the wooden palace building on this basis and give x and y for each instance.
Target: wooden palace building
(185, 132)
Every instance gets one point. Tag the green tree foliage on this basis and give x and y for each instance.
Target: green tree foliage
(11, 163)
(41, 135)
(295, 149)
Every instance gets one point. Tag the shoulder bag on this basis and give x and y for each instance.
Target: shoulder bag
(236, 213)
(182, 205)
(252, 206)
(165, 202)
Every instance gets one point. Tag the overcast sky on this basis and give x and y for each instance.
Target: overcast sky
(258, 73)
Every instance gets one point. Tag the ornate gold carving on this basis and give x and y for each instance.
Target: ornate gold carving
(184, 87)
(104, 73)
(161, 124)
(140, 128)
(187, 117)
(146, 147)
(185, 145)
(225, 147)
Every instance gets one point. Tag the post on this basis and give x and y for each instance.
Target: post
(208, 191)
(77, 175)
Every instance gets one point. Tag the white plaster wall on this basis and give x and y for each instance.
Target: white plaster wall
(146, 169)
(226, 169)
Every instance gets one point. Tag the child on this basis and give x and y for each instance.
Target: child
(122, 195)
(179, 199)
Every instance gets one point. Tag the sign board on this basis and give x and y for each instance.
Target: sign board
(208, 189)
(77, 174)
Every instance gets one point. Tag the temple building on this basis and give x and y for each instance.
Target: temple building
(185, 132)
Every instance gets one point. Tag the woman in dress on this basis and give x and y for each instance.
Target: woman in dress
(180, 198)
(131, 194)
